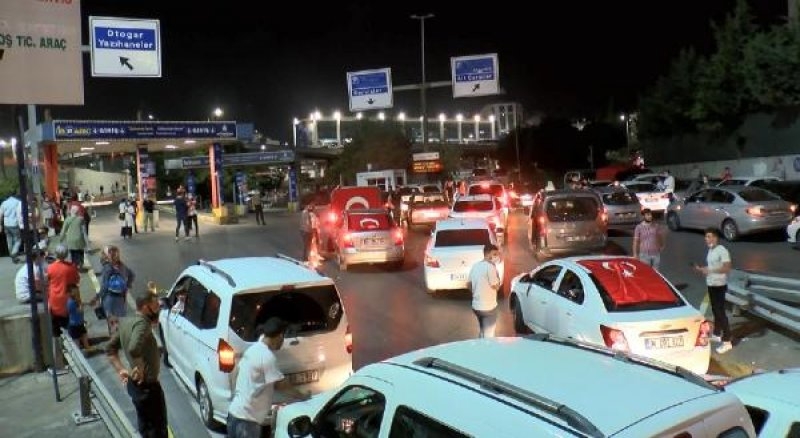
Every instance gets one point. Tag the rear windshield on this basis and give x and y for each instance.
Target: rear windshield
(491, 189)
(466, 206)
(579, 208)
(620, 198)
(307, 309)
(468, 237)
(627, 284)
(427, 199)
(757, 195)
(368, 222)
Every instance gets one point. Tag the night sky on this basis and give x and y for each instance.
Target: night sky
(262, 65)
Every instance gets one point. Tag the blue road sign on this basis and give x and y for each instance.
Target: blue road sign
(470, 70)
(92, 130)
(474, 75)
(191, 183)
(292, 185)
(370, 89)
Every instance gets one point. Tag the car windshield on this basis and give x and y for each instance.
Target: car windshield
(468, 206)
(306, 309)
(465, 237)
(579, 208)
(620, 198)
(627, 284)
(757, 195)
(495, 190)
(368, 222)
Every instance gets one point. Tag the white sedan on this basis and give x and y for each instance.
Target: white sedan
(615, 301)
(454, 247)
(793, 230)
(773, 401)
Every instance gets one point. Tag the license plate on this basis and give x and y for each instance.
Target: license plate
(575, 238)
(374, 242)
(304, 377)
(458, 277)
(430, 214)
(663, 342)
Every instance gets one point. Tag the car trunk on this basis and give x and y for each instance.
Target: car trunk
(458, 260)
(656, 333)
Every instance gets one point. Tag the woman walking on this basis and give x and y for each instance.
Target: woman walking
(191, 215)
(73, 236)
(116, 279)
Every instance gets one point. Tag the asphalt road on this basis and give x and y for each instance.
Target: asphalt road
(390, 312)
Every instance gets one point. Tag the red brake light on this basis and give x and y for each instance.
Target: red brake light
(614, 338)
(398, 236)
(347, 239)
(431, 262)
(755, 211)
(348, 340)
(703, 334)
(226, 356)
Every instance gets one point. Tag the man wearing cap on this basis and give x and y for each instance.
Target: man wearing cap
(257, 378)
(136, 340)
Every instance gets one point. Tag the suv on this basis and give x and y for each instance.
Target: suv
(519, 387)
(225, 300)
(563, 221)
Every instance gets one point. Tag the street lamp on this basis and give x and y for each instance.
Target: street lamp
(338, 117)
(491, 122)
(442, 118)
(218, 112)
(625, 118)
(402, 118)
(459, 119)
(381, 116)
(359, 116)
(477, 119)
(422, 19)
(295, 122)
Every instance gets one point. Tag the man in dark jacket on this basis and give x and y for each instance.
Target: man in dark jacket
(181, 211)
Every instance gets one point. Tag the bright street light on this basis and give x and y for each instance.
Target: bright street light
(401, 117)
(381, 116)
(218, 112)
(459, 117)
(477, 118)
(359, 116)
(317, 115)
(442, 117)
(337, 115)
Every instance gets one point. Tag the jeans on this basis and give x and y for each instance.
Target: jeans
(76, 257)
(716, 296)
(148, 219)
(487, 321)
(652, 260)
(151, 409)
(239, 428)
(306, 236)
(184, 222)
(189, 221)
(13, 239)
(259, 214)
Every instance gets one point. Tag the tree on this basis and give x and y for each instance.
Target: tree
(379, 144)
(772, 63)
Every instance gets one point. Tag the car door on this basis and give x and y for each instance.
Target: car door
(569, 318)
(718, 208)
(174, 329)
(540, 293)
(692, 211)
(355, 411)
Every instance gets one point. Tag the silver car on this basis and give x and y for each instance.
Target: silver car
(622, 206)
(736, 210)
(369, 236)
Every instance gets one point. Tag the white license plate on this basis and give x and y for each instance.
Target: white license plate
(663, 342)
(459, 277)
(430, 214)
(374, 242)
(304, 377)
(575, 238)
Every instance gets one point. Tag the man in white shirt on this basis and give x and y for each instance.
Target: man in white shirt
(484, 282)
(669, 182)
(718, 265)
(11, 215)
(22, 287)
(257, 378)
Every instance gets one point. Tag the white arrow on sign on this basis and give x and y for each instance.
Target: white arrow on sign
(370, 89)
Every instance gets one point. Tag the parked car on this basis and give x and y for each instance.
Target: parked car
(494, 188)
(369, 236)
(225, 300)
(789, 191)
(522, 387)
(747, 181)
(649, 195)
(622, 206)
(454, 247)
(736, 210)
(425, 209)
(773, 401)
(485, 207)
(567, 221)
(619, 302)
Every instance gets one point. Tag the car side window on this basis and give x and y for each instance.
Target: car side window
(571, 287)
(700, 196)
(734, 432)
(180, 287)
(196, 304)
(720, 196)
(546, 276)
(408, 423)
(758, 417)
(357, 411)
(794, 430)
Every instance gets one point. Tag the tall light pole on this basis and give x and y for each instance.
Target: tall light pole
(295, 122)
(423, 103)
(491, 122)
(625, 118)
(477, 119)
(338, 117)
(402, 118)
(442, 118)
(459, 119)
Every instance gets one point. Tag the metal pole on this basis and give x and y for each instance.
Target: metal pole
(422, 90)
(516, 146)
(338, 130)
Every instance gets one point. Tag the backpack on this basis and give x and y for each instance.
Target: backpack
(116, 283)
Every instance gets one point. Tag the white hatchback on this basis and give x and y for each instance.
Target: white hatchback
(225, 300)
(454, 247)
(773, 401)
(619, 302)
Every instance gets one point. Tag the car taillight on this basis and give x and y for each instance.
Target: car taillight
(755, 211)
(398, 236)
(347, 240)
(793, 208)
(348, 340)
(431, 262)
(665, 196)
(226, 356)
(604, 215)
(703, 334)
(614, 338)
(332, 217)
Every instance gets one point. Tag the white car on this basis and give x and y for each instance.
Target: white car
(225, 300)
(773, 401)
(485, 207)
(526, 387)
(619, 302)
(747, 181)
(793, 230)
(649, 196)
(454, 247)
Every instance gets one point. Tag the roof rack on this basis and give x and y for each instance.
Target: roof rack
(625, 357)
(572, 417)
(298, 262)
(218, 271)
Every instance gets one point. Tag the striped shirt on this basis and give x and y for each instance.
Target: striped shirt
(649, 237)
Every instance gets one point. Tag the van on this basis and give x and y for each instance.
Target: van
(567, 221)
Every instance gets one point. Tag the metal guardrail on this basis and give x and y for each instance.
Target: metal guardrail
(95, 403)
(768, 297)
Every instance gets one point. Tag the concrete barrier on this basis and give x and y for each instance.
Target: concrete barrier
(16, 341)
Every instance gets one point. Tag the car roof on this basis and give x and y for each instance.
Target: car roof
(781, 385)
(578, 375)
(248, 273)
(565, 193)
(606, 190)
(461, 224)
(469, 198)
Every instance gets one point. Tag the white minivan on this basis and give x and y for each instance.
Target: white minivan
(225, 300)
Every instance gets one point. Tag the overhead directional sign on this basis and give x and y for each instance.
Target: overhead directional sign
(125, 47)
(370, 89)
(40, 52)
(107, 130)
(474, 75)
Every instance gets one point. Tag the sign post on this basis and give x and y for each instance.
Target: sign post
(474, 75)
(370, 89)
(125, 47)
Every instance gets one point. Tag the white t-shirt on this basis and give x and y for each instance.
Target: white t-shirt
(258, 371)
(669, 184)
(716, 257)
(481, 278)
(23, 292)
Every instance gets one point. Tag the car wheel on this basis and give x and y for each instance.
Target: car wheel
(673, 222)
(730, 231)
(396, 266)
(341, 261)
(516, 314)
(206, 407)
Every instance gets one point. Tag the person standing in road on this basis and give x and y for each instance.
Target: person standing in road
(73, 235)
(257, 378)
(60, 274)
(191, 216)
(648, 240)
(181, 210)
(307, 229)
(136, 340)
(484, 281)
(258, 207)
(116, 279)
(718, 265)
(149, 206)
(11, 216)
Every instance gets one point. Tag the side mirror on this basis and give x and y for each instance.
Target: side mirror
(300, 427)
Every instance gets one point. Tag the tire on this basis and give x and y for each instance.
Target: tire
(516, 315)
(730, 231)
(673, 222)
(206, 407)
